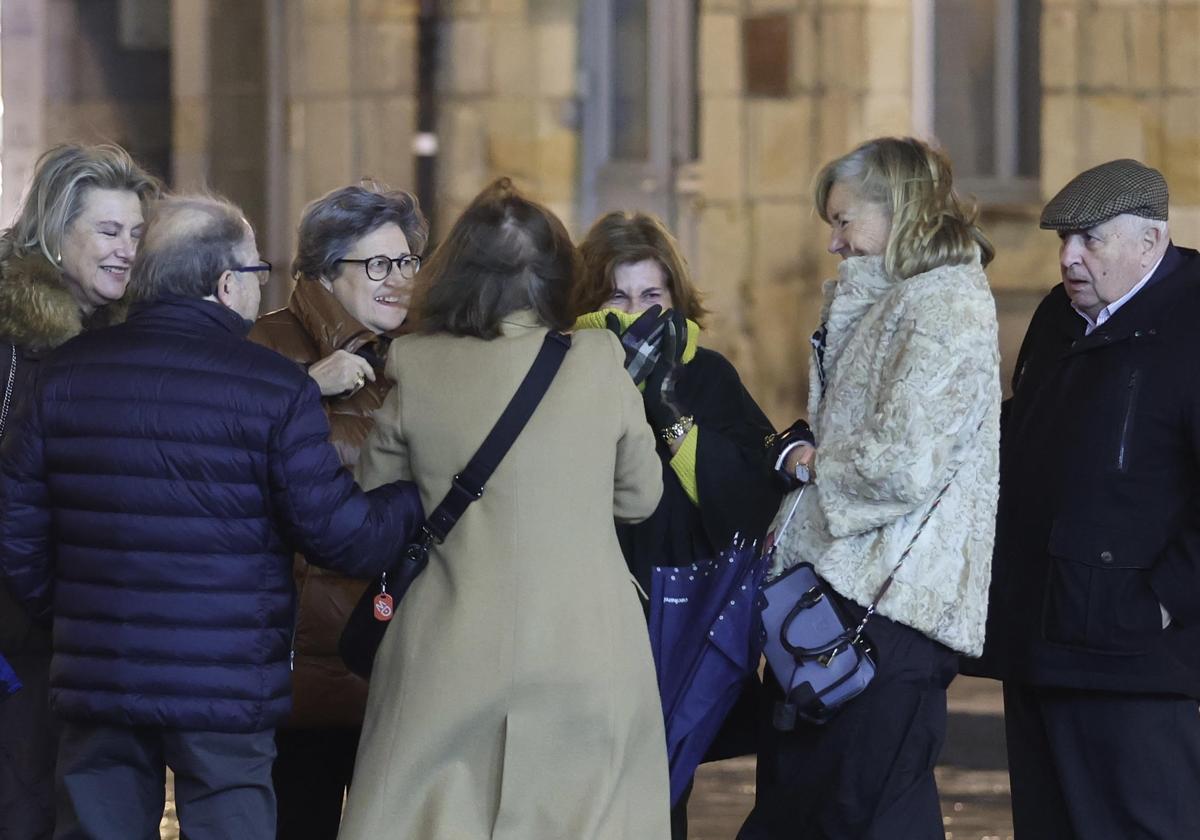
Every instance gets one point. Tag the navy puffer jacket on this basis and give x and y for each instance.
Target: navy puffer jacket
(154, 494)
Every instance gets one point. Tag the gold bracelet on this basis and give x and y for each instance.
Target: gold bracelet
(677, 430)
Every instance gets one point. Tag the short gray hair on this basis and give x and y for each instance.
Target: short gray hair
(61, 179)
(190, 241)
(332, 224)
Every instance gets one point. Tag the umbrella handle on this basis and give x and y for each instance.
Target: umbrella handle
(788, 519)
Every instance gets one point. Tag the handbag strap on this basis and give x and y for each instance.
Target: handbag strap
(887, 584)
(468, 485)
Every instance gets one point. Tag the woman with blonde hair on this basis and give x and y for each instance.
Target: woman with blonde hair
(513, 695)
(904, 401)
(64, 265)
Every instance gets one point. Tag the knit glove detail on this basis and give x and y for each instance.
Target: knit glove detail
(662, 405)
(641, 341)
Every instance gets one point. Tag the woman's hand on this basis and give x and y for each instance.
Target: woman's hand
(641, 341)
(788, 451)
(341, 372)
(662, 404)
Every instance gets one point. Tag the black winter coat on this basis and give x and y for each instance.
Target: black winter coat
(738, 495)
(154, 493)
(735, 484)
(1099, 516)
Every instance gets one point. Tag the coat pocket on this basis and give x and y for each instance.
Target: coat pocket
(1098, 592)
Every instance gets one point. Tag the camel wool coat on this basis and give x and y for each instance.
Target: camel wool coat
(514, 695)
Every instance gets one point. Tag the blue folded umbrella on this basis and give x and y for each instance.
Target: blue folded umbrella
(9, 684)
(703, 634)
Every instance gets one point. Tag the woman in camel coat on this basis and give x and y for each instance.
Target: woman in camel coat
(514, 694)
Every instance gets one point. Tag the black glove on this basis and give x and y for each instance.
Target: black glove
(775, 445)
(641, 341)
(662, 407)
(679, 323)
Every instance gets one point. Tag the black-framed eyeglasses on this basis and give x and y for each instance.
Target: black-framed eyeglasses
(264, 267)
(379, 267)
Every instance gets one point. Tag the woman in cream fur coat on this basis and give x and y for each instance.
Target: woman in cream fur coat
(904, 404)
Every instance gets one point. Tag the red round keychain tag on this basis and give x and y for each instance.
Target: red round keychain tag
(383, 607)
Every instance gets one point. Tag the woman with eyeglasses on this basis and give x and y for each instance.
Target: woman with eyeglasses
(357, 254)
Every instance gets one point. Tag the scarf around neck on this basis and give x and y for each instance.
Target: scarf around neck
(596, 321)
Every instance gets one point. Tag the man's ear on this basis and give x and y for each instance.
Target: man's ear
(1152, 236)
(227, 289)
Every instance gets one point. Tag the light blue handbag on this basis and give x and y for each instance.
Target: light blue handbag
(820, 657)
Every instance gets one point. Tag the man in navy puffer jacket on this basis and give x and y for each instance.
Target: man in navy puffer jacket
(151, 502)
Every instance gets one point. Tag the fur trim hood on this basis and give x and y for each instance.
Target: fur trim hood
(37, 311)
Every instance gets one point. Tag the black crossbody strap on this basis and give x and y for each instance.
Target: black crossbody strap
(468, 485)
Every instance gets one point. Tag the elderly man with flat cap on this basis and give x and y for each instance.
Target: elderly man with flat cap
(1094, 618)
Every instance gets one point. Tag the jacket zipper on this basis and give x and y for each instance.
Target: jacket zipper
(1127, 422)
(8, 392)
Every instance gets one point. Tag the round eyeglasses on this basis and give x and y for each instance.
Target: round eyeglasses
(378, 268)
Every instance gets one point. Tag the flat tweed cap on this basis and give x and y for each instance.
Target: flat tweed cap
(1105, 191)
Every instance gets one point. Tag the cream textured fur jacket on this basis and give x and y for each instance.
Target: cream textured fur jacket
(911, 401)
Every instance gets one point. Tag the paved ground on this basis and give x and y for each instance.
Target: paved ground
(972, 777)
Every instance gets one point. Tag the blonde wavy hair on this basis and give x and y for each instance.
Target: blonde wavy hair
(931, 225)
(61, 179)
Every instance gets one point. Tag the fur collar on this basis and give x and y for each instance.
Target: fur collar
(37, 312)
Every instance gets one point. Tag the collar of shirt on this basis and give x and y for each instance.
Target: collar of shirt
(1111, 310)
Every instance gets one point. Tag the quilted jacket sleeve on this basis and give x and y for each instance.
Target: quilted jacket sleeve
(26, 553)
(937, 387)
(322, 511)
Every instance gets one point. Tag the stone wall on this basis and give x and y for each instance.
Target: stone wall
(507, 95)
(77, 72)
(760, 250)
(506, 89)
(1122, 79)
(276, 102)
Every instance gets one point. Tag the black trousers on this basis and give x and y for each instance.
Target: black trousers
(28, 735)
(868, 773)
(312, 774)
(1089, 765)
(111, 783)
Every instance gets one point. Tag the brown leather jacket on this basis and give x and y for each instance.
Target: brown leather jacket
(312, 327)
